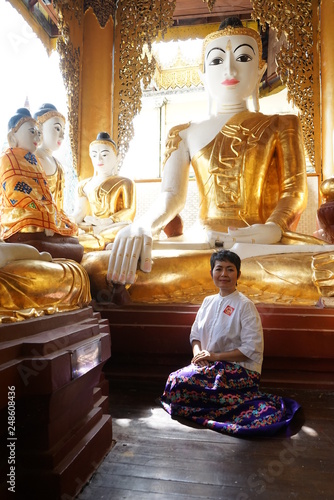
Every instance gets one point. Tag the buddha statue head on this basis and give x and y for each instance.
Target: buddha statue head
(103, 153)
(52, 123)
(23, 131)
(232, 65)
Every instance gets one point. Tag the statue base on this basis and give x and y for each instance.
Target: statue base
(60, 428)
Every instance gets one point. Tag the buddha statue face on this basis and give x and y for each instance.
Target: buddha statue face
(103, 157)
(28, 136)
(231, 67)
(53, 133)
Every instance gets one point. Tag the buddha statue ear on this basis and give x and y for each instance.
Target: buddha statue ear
(255, 93)
(12, 140)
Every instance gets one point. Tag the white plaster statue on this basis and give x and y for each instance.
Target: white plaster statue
(32, 230)
(52, 124)
(250, 168)
(106, 201)
(29, 214)
(17, 251)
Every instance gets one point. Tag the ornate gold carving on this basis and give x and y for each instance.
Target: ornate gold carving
(177, 78)
(102, 9)
(72, 7)
(70, 66)
(295, 59)
(139, 25)
(211, 4)
(179, 74)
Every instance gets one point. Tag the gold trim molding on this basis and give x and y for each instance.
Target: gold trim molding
(177, 78)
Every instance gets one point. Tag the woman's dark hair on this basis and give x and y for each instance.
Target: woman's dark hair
(223, 256)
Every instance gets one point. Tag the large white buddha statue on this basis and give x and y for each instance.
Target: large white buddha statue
(52, 124)
(251, 175)
(106, 201)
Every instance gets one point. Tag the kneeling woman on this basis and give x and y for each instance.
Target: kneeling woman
(220, 388)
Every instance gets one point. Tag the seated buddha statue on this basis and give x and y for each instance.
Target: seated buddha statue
(29, 213)
(33, 284)
(106, 201)
(251, 177)
(52, 124)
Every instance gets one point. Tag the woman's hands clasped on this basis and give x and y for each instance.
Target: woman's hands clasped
(202, 358)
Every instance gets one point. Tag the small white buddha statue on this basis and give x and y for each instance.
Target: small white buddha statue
(106, 201)
(52, 124)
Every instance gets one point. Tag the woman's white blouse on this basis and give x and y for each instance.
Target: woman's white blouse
(232, 322)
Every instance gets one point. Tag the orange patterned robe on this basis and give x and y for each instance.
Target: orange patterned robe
(26, 203)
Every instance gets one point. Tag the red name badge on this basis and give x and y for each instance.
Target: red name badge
(228, 310)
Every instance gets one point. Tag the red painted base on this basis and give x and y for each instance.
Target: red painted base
(62, 428)
(153, 340)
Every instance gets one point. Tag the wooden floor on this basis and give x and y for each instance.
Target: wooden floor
(155, 457)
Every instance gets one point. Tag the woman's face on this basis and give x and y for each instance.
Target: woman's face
(53, 133)
(231, 68)
(103, 158)
(225, 276)
(28, 136)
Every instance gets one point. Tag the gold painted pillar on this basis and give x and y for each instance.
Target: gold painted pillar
(327, 86)
(316, 88)
(96, 86)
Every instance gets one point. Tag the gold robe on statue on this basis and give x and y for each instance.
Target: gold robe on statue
(252, 172)
(56, 183)
(31, 288)
(114, 200)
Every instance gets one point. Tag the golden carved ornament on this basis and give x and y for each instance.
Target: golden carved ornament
(70, 6)
(293, 18)
(180, 73)
(102, 9)
(210, 3)
(177, 78)
(139, 25)
(70, 67)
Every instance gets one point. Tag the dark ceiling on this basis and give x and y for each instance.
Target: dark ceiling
(190, 12)
(187, 12)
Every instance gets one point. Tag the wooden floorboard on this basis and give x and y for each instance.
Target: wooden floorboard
(156, 457)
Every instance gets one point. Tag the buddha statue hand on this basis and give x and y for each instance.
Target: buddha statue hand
(133, 244)
(268, 233)
(10, 252)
